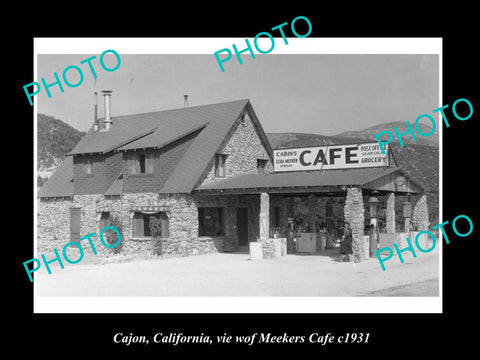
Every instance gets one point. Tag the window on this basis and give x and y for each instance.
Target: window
(142, 224)
(329, 210)
(211, 221)
(220, 164)
(276, 218)
(87, 166)
(104, 220)
(261, 164)
(140, 163)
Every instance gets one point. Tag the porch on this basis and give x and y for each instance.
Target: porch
(308, 209)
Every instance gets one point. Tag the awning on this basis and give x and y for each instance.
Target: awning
(150, 209)
(380, 179)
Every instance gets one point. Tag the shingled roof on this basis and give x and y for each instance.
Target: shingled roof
(60, 184)
(158, 129)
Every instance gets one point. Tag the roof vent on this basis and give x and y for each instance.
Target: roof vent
(95, 117)
(185, 101)
(108, 119)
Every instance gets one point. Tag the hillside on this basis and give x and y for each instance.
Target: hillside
(421, 161)
(286, 140)
(54, 139)
(294, 139)
(369, 133)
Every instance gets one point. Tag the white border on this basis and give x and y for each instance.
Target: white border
(240, 304)
(210, 45)
(244, 305)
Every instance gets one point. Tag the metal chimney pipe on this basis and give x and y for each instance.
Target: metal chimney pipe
(95, 113)
(108, 119)
(185, 101)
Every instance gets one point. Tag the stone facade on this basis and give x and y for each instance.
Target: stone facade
(264, 216)
(390, 215)
(420, 214)
(268, 248)
(53, 224)
(243, 149)
(354, 214)
(182, 211)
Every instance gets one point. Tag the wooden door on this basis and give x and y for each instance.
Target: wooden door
(242, 226)
(75, 224)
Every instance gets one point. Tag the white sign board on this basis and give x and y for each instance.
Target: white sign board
(330, 157)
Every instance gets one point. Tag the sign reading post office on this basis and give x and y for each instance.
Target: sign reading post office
(330, 157)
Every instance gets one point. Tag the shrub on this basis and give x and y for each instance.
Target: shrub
(156, 231)
(111, 236)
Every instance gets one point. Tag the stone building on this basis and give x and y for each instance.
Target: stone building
(206, 173)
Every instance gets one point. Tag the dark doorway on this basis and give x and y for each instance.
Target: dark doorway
(75, 224)
(242, 226)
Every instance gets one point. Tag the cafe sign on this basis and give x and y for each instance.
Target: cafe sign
(329, 157)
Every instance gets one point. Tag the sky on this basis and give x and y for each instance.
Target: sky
(313, 93)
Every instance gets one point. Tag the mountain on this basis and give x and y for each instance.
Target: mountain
(286, 140)
(54, 139)
(294, 139)
(369, 133)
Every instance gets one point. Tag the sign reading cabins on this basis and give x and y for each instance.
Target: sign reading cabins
(330, 157)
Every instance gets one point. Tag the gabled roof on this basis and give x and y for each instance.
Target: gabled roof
(209, 124)
(60, 184)
(196, 159)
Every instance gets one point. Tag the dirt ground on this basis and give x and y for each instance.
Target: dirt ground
(234, 274)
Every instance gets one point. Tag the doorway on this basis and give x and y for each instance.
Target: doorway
(242, 226)
(75, 224)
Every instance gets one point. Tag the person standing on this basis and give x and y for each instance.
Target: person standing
(346, 243)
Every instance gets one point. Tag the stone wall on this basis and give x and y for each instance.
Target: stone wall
(268, 248)
(390, 214)
(183, 240)
(183, 237)
(354, 214)
(420, 214)
(243, 148)
(53, 224)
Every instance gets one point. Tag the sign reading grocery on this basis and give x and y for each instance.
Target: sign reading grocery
(330, 157)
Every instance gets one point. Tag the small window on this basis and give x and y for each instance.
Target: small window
(261, 165)
(220, 160)
(142, 224)
(211, 221)
(104, 220)
(140, 163)
(87, 166)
